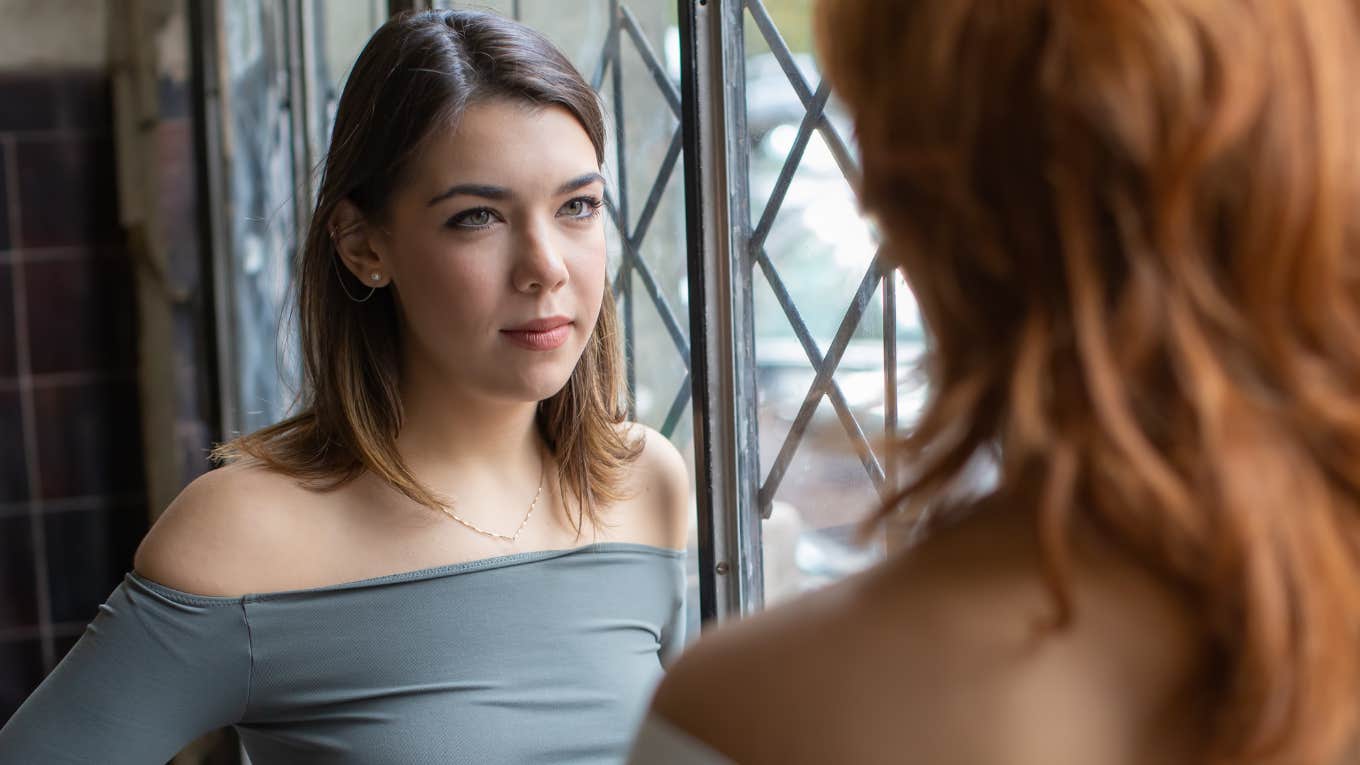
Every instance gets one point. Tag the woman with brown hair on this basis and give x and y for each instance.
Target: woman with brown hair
(457, 550)
(1132, 227)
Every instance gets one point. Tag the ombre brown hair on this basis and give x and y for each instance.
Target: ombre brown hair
(416, 75)
(1132, 227)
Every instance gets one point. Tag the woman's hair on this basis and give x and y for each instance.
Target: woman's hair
(417, 74)
(1133, 230)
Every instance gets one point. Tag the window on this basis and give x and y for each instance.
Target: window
(810, 337)
(274, 73)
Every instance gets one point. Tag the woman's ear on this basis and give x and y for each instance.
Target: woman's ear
(358, 247)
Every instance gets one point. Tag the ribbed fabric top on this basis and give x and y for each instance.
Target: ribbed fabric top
(540, 657)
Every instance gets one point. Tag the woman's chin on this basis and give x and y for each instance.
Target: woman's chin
(532, 389)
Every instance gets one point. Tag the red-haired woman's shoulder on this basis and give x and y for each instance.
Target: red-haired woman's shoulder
(224, 535)
(943, 654)
(658, 493)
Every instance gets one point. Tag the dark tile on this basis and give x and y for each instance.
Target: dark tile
(90, 440)
(67, 191)
(13, 462)
(9, 362)
(88, 552)
(69, 101)
(27, 102)
(5, 243)
(21, 670)
(18, 589)
(81, 314)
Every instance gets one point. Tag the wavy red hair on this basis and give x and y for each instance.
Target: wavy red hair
(1132, 227)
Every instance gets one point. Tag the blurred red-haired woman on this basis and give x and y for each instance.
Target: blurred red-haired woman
(1132, 229)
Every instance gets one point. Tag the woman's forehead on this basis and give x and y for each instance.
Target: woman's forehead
(525, 148)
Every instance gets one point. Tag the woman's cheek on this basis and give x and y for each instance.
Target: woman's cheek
(596, 263)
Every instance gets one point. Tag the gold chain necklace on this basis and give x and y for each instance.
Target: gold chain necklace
(504, 537)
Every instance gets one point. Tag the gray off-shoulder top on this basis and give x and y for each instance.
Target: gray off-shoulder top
(541, 657)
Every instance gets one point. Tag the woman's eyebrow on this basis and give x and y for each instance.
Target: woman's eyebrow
(471, 189)
(487, 191)
(579, 181)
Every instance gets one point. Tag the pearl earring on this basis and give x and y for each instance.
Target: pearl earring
(376, 276)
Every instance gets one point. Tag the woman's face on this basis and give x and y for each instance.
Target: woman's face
(496, 249)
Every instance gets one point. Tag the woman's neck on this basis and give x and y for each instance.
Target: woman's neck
(450, 438)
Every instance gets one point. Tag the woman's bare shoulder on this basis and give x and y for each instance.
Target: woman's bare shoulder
(657, 492)
(923, 651)
(226, 532)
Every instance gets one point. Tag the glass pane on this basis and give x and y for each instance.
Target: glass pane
(339, 31)
(257, 142)
(264, 176)
(818, 253)
(618, 46)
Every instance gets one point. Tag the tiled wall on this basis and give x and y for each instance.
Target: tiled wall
(72, 504)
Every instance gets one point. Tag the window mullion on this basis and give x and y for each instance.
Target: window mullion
(721, 307)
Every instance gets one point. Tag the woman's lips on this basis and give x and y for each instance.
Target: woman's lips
(539, 340)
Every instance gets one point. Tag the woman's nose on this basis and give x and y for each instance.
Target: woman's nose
(539, 265)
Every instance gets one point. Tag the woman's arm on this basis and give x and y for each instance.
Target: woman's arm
(153, 671)
(665, 487)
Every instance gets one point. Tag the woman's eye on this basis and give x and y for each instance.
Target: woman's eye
(581, 207)
(479, 218)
